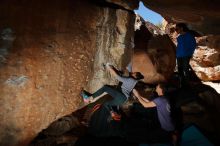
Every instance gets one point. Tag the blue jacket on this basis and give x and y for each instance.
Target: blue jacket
(186, 45)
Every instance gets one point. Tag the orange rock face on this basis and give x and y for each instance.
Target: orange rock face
(206, 59)
(45, 67)
(47, 54)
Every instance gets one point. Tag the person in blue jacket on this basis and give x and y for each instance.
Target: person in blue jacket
(186, 45)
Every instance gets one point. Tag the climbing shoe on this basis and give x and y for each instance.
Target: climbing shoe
(86, 98)
(115, 116)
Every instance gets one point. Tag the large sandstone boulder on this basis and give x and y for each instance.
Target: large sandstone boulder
(157, 61)
(154, 53)
(49, 50)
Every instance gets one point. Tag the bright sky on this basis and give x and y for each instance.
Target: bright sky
(149, 15)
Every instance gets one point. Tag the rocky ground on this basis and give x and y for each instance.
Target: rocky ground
(198, 104)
